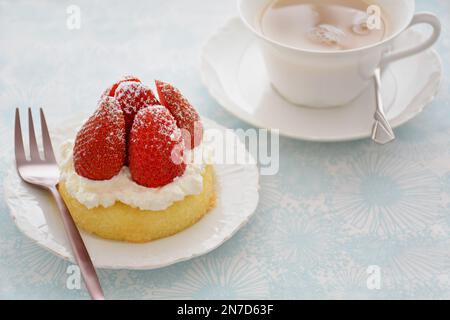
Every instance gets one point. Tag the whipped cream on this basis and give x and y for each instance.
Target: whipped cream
(121, 187)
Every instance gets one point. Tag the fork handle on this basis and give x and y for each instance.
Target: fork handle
(79, 249)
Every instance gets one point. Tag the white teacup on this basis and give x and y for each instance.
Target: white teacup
(323, 79)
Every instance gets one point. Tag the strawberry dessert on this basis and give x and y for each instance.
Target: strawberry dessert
(129, 174)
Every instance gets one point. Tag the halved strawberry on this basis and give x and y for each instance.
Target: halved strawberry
(155, 148)
(184, 113)
(100, 147)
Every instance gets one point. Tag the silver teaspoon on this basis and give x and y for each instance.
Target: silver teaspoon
(382, 132)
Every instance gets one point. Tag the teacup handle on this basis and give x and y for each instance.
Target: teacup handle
(419, 18)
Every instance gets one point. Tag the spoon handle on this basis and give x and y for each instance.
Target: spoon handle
(382, 132)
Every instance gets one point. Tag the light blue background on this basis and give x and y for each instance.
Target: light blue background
(333, 209)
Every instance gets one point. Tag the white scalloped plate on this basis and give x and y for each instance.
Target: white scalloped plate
(233, 70)
(36, 215)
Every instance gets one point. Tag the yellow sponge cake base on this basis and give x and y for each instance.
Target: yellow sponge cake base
(124, 223)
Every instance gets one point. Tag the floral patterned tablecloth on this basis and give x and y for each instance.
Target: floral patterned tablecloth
(333, 212)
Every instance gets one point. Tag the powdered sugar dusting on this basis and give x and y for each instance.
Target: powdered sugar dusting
(167, 123)
(99, 150)
(110, 91)
(173, 97)
(184, 113)
(152, 141)
(133, 96)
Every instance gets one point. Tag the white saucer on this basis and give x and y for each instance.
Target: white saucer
(233, 70)
(36, 215)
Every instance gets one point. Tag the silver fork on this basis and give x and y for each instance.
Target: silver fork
(44, 173)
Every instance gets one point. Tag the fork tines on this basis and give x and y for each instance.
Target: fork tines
(19, 149)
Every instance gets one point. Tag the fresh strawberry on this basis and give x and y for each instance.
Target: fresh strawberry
(184, 113)
(112, 89)
(100, 146)
(155, 148)
(132, 96)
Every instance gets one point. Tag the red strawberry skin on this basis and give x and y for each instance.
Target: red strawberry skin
(100, 147)
(112, 89)
(184, 113)
(155, 148)
(132, 96)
